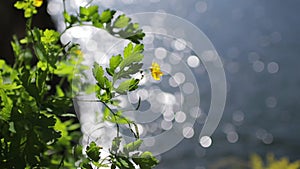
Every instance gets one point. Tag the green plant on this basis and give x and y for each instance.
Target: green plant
(256, 162)
(38, 126)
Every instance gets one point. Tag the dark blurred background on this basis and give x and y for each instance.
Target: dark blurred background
(13, 23)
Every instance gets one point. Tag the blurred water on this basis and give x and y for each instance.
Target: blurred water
(258, 41)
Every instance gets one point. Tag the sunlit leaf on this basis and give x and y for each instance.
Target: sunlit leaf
(122, 21)
(107, 15)
(114, 62)
(133, 146)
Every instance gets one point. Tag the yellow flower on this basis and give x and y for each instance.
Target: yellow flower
(37, 3)
(155, 71)
(78, 52)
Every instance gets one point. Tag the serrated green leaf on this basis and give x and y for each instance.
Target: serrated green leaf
(128, 50)
(132, 54)
(122, 21)
(97, 22)
(127, 85)
(133, 69)
(107, 15)
(89, 13)
(93, 151)
(114, 62)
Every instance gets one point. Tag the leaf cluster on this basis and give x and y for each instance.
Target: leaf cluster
(38, 125)
(39, 128)
(128, 157)
(120, 26)
(121, 69)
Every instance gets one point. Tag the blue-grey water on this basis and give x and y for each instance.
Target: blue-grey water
(259, 44)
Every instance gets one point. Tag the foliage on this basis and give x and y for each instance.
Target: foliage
(38, 126)
(256, 162)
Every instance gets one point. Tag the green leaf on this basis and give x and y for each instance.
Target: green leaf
(106, 114)
(97, 22)
(107, 15)
(146, 160)
(133, 69)
(133, 146)
(87, 13)
(67, 17)
(131, 50)
(93, 151)
(59, 91)
(12, 127)
(132, 54)
(130, 64)
(128, 50)
(41, 81)
(122, 21)
(124, 86)
(98, 73)
(71, 19)
(114, 62)
(135, 36)
(124, 162)
(127, 85)
(120, 119)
